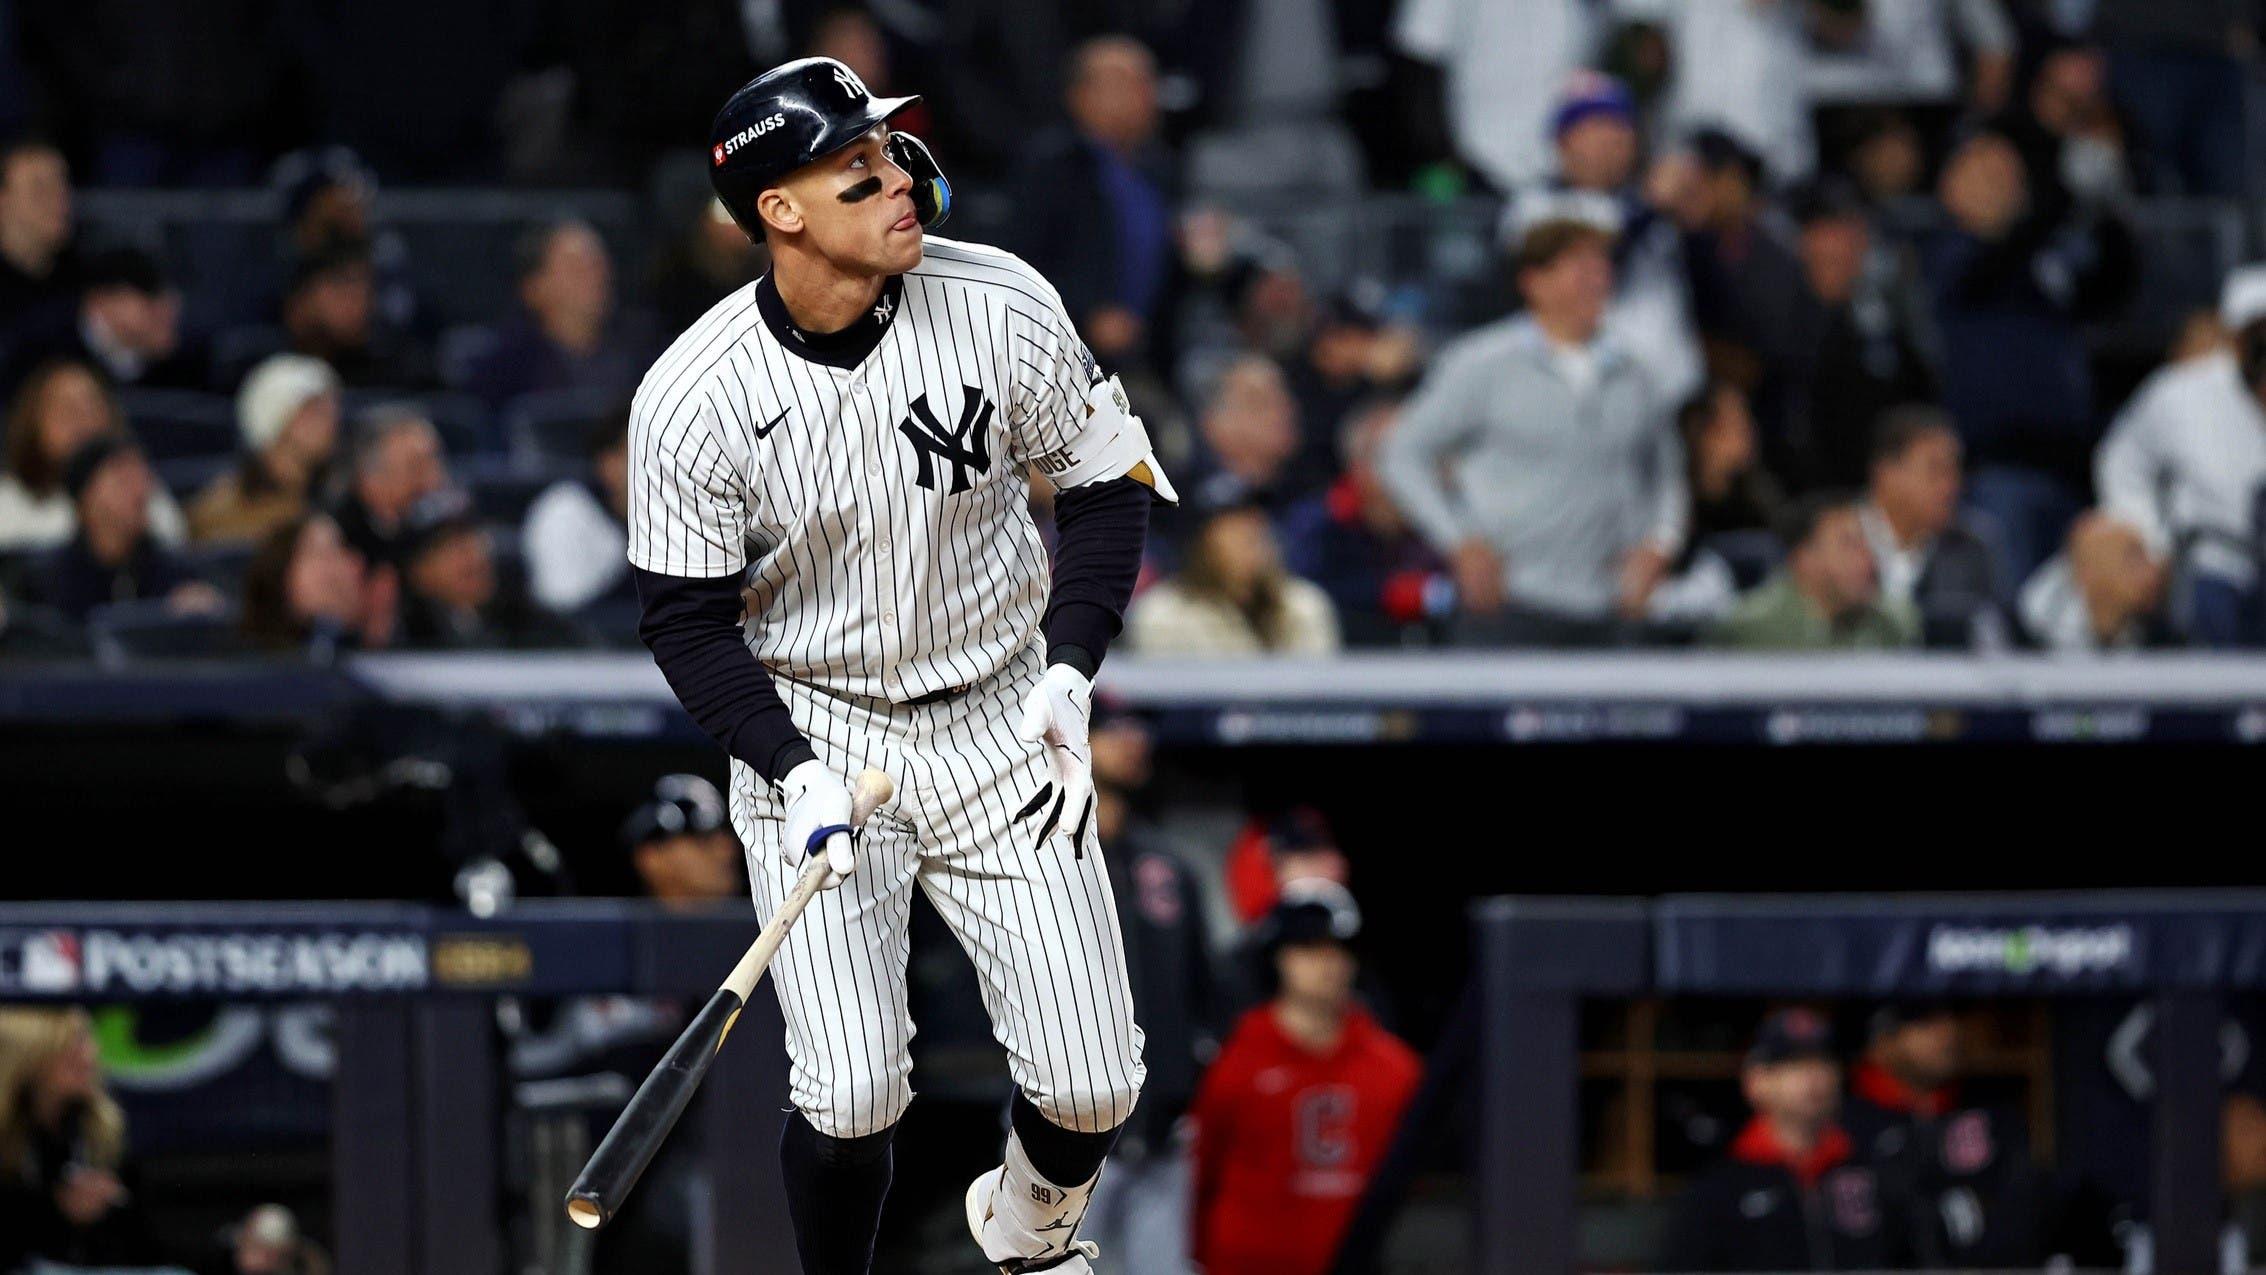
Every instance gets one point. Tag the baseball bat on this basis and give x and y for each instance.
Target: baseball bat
(638, 1132)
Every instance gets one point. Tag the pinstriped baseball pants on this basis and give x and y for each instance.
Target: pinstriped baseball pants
(1038, 922)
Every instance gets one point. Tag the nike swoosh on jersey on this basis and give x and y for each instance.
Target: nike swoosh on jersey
(764, 430)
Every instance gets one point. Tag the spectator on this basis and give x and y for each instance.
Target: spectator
(1888, 159)
(114, 557)
(706, 257)
(1232, 596)
(397, 461)
(1926, 559)
(1747, 289)
(1140, 1210)
(58, 409)
(2185, 464)
(330, 312)
(576, 536)
(1568, 502)
(2008, 288)
(1251, 434)
(1730, 490)
(682, 846)
(1503, 61)
(1734, 503)
(1096, 200)
(1385, 583)
(567, 335)
(1827, 595)
(1981, 1204)
(328, 196)
(288, 414)
(307, 590)
(127, 324)
(1856, 351)
(1352, 354)
(1300, 1107)
(1296, 845)
(1595, 130)
(63, 1188)
(2069, 133)
(1742, 66)
(451, 596)
(1792, 1195)
(38, 271)
(2104, 592)
(268, 1242)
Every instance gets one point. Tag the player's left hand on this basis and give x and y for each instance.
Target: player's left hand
(1056, 712)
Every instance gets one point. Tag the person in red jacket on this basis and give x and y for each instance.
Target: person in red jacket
(1301, 1103)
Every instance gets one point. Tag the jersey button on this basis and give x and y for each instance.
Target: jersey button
(889, 617)
(885, 546)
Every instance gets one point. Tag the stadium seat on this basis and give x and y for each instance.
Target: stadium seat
(235, 351)
(147, 630)
(502, 490)
(221, 566)
(460, 349)
(555, 425)
(185, 476)
(180, 423)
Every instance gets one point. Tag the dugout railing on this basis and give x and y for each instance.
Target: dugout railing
(1536, 960)
(418, 1092)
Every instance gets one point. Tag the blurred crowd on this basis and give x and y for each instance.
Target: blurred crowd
(1817, 314)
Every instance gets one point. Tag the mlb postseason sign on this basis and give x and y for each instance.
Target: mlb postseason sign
(123, 962)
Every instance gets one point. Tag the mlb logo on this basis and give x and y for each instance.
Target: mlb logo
(45, 962)
(718, 155)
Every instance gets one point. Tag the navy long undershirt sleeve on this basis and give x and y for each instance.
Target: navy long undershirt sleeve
(693, 629)
(693, 626)
(1099, 533)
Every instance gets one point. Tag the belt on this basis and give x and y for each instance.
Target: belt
(939, 696)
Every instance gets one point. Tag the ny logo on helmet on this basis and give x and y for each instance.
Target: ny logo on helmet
(852, 87)
(962, 447)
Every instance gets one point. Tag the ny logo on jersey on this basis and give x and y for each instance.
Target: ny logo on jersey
(961, 447)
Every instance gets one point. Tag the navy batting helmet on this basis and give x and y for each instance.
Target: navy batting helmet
(802, 111)
(680, 804)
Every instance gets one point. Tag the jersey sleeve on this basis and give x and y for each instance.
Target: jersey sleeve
(1070, 419)
(688, 505)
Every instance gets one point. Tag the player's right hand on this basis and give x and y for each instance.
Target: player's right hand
(818, 820)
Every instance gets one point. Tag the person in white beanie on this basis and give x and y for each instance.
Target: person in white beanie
(288, 413)
(2185, 464)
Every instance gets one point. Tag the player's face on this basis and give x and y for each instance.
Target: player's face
(1800, 1091)
(1316, 973)
(857, 208)
(1930, 1050)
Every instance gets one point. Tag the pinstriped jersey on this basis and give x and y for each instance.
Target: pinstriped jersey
(869, 486)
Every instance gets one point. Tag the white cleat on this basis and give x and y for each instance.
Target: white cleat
(1074, 1257)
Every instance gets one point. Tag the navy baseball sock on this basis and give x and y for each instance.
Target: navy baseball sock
(1062, 1156)
(834, 1191)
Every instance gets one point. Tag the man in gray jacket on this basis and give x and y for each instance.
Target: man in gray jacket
(1539, 459)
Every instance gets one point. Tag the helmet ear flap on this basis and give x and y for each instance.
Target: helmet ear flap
(932, 191)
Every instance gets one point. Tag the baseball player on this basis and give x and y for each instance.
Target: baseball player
(828, 524)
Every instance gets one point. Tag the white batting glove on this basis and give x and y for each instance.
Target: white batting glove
(1056, 712)
(818, 820)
